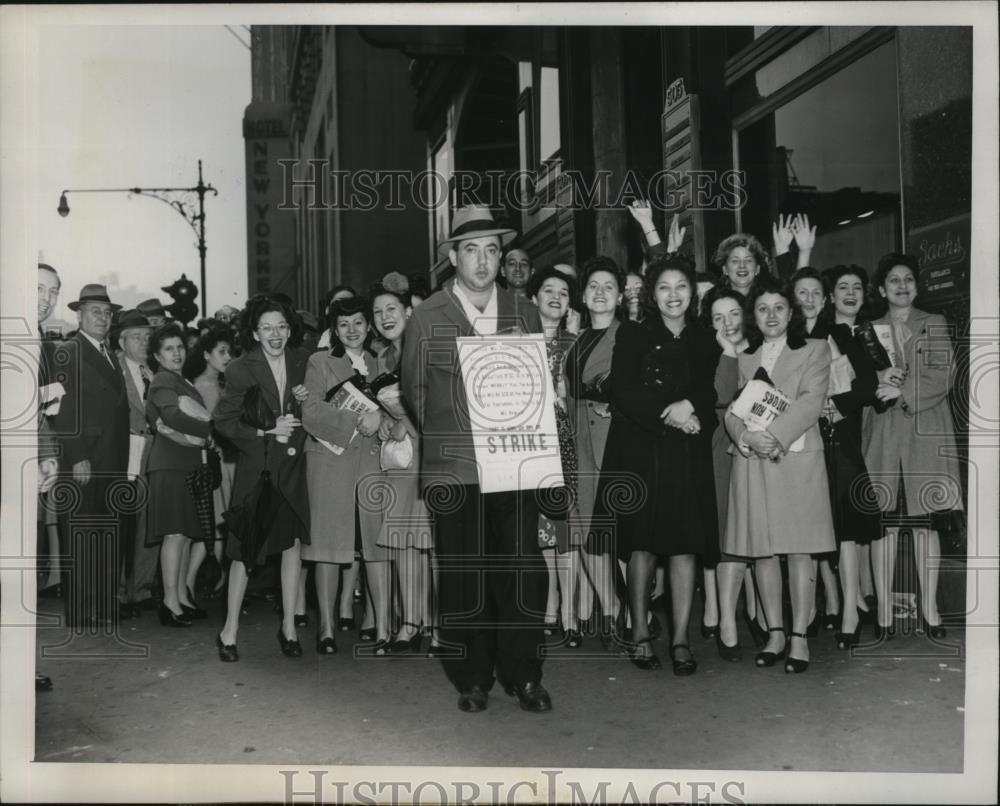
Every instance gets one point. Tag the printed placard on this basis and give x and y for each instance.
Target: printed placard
(511, 411)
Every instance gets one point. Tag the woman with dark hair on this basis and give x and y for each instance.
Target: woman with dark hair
(914, 438)
(586, 368)
(406, 527)
(172, 518)
(806, 287)
(633, 295)
(725, 317)
(855, 523)
(660, 451)
(779, 501)
(267, 327)
(343, 458)
(551, 292)
(204, 367)
(335, 293)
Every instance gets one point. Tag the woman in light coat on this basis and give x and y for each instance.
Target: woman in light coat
(910, 447)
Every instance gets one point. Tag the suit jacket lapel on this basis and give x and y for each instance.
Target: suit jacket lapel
(787, 363)
(599, 360)
(261, 372)
(93, 356)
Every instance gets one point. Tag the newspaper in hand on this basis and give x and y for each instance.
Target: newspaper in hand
(760, 404)
(884, 334)
(348, 397)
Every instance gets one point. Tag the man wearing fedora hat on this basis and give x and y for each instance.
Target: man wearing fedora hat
(92, 427)
(153, 310)
(139, 569)
(492, 582)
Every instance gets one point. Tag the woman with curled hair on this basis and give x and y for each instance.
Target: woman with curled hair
(911, 444)
(662, 417)
(855, 523)
(268, 362)
(779, 502)
(740, 259)
(343, 461)
(205, 366)
(586, 368)
(180, 436)
(406, 526)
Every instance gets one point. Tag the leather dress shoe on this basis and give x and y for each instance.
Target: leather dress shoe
(473, 700)
(195, 612)
(532, 697)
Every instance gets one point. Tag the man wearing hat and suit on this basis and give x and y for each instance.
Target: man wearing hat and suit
(491, 609)
(139, 571)
(92, 426)
(153, 310)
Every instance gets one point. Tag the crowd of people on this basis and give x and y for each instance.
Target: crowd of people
(236, 440)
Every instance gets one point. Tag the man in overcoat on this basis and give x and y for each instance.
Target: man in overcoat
(92, 426)
(491, 592)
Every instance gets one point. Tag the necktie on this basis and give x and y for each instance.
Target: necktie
(104, 352)
(144, 373)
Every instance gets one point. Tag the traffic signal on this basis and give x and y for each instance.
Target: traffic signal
(184, 293)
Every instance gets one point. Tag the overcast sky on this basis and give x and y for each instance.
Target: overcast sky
(127, 106)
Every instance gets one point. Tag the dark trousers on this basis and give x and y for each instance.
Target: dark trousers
(492, 586)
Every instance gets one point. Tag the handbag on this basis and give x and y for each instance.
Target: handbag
(256, 412)
(396, 455)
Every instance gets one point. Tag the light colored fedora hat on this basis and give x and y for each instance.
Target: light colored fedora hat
(474, 221)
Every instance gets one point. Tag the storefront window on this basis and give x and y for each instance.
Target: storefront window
(549, 112)
(437, 191)
(832, 153)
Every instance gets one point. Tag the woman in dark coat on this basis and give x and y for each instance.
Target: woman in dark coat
(657, 479)
(172, 517)
(856, 520)
(279, 370)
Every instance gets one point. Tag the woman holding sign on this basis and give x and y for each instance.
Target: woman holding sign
(914, 439)
(342, 450)
(779, 503)
(657, 478)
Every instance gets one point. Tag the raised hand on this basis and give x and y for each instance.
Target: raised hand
(805, 236)
(781, 234)
(642, 212)
(676, 235)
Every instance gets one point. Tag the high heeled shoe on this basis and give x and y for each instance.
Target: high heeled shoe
(168, 618)
(194, 612)
(346, 624)
(936, 631)
(367, 634)
(709, 630)
(845, 640)
(645, 662)
(290, 648)
(831, 620)
(407, 646)
(683, 668)
(726, 652)
(574, 639)
(758, 633)
(795, 665)
(326, 646)
(227, 652)
(767, 658)
(301, 619)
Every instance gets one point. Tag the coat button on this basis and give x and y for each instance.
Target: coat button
(292, 451)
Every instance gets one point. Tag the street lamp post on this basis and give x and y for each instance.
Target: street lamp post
(181, 200)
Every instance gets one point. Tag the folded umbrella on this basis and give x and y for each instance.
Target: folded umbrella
(251, 520)
(200, 484)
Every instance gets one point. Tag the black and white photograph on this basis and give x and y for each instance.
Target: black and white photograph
(535, 403)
